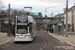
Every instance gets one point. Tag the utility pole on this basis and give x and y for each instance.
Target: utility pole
(0, 26)
(74, 4)
(52, 14)
(66, 18)
(9, 19)
(63, 25)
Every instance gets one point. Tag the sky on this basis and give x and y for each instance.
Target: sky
(44, 6)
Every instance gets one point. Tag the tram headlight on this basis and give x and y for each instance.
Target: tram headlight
(16, 35)
(26, 35)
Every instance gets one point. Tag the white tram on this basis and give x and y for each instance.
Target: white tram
(25, 28)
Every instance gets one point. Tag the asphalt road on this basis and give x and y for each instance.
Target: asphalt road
(43, 41)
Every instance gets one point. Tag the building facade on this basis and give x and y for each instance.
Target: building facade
(71, 18)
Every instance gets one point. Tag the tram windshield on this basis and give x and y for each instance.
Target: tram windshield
(21, 29)
(22, 19)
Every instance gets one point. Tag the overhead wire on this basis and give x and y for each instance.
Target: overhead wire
(52, 7)
(27, 3)
(49, 2)
(48, 5)
(55, 6)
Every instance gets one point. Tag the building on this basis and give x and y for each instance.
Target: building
(71, 17)
(3, 26)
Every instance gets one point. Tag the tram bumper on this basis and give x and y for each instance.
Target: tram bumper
(20, 40)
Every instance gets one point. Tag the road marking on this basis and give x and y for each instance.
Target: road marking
(44, 45)
(5, 41)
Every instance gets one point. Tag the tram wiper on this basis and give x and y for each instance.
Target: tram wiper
(22, 33)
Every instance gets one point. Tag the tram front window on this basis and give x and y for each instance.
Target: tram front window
(21, 29)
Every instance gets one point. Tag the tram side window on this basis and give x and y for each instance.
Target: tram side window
(30, 27)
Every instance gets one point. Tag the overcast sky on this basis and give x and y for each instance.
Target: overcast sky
(40, 5)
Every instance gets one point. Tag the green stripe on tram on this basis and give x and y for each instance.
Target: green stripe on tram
(32, 35)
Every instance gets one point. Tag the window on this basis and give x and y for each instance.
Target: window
(21, 29)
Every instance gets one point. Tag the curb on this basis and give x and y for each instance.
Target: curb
(56, 38)
(64, 40)
(5, 41)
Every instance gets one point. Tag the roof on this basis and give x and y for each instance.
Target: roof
(70, 9)
(59, 14)
(54, 22)
(47, 17)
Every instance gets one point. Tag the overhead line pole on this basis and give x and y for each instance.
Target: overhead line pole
(66, 18)
(9, 19)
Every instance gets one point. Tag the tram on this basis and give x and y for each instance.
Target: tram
(25, 28)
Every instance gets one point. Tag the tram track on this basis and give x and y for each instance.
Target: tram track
(51, 43)
(43, 41)
(13, 46)
(19, 46)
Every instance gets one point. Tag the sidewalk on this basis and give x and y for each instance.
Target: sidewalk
(4, 38)
(69, 40)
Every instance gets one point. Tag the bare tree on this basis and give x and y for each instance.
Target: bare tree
(1, 5)
(14, 12)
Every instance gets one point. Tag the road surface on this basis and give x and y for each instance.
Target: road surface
(43, 41)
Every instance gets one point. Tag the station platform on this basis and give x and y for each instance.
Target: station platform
(69, 40)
